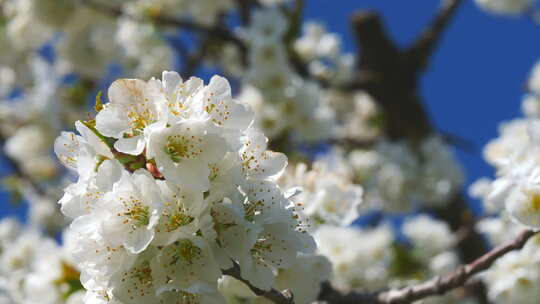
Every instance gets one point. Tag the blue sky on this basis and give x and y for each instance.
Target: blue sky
(477, 76)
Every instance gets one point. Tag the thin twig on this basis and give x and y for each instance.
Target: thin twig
(458, 278)
(432, 287)
(276, 296)
(353, 143)
(422, 49)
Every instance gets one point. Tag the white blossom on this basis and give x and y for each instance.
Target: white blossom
(428, 236)
(505, 7)
(174, 186)
(360, 258)
(512, 278)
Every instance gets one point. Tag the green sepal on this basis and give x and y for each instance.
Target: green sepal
(109, 141)
(99, 105)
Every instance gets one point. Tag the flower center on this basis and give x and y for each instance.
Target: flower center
(185, 250)
(177, 216)
(188, 298)
(261, 247)
(141, 276)
(136, 213)
(181, 147)
(535, 201)
(139, 119)
(252, 208)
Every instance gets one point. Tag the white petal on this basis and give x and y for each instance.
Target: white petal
(171, 80)
(189, 173)
(139, 240)
(66, 147)
(111, 122)
(271, 164)
(93, 141)
(109, 172)
(133, 145)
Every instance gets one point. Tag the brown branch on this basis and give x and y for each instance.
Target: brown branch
(394, 72)
(458, 278)
(394, 84)
(244, 10)
(433, 287)
(353, 143)
(422, 49)
(276, 296)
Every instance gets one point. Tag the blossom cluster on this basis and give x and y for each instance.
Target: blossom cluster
(174, 186)
(172, 183)
(283, 101)
(513, 196)
(514, 277)
(398, 178)
(58, 54)
(514, 156)
(34, 269)
(374, 258)
(330, 200)
(327, 195)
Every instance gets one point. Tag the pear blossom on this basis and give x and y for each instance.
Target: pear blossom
(174, 186)
(172, 183)
(134, 105)
(183, 152)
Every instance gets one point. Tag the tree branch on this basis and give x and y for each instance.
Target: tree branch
(393, 72)
(422, 49)
(435, 286)
(244, 10)
(394, 84)
(458, 278)
(276, 296)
